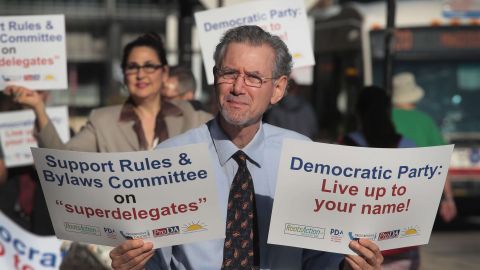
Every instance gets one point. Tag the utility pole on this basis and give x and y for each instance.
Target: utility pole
(389, 46)
(185, 24)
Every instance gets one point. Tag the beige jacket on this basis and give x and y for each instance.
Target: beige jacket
(104, 133)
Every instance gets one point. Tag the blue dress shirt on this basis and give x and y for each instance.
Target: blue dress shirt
(264, 150)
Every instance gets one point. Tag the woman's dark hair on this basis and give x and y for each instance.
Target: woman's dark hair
(374, 110)
(150, 39)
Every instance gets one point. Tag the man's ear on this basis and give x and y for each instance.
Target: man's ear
(165, 73)
(280, 86)
(189, 95)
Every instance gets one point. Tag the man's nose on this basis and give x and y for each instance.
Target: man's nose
(239, 85)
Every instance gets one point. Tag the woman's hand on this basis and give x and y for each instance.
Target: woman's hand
(26, 97)
(30, 99)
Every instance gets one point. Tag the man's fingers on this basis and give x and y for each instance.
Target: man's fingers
(369, 244)
(376, 251)
(363, 251)
(137, 262)
(351, 263)
(142, 263)
(367, 251)
(130, 253)
(126, 246)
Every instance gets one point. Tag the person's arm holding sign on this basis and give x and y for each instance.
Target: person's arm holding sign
(31, 99)
(45, 131)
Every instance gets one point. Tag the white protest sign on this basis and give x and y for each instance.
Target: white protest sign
(166, 196)
(328, 195)
(32, 51)
(19, 249)
(284, 18)
(16, 133)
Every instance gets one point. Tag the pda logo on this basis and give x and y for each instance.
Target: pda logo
(388, 235)
(336, 232)
(166, 231)
(110, 233)
(336, 235)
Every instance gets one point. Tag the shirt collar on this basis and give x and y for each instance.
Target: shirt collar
(167, 109)
(128, 114)
(225, 147)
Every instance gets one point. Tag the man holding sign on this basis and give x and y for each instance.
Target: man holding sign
(251, 73)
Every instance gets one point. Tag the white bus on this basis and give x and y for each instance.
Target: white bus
(437, 43)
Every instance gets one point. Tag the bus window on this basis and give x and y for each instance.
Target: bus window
(451, 92)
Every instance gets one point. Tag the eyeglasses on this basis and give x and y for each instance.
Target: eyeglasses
(230, 76)
(147, 68)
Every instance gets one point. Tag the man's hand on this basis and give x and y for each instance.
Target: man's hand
(131, 254)
(369, 255)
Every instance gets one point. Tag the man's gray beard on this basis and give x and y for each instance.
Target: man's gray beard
(244, 123)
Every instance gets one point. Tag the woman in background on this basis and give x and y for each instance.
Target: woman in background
(140, 123)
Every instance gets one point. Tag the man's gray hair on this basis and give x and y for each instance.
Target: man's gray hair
(186, 80)
(256, 36)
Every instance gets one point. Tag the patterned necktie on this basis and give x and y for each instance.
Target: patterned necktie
(241, 246)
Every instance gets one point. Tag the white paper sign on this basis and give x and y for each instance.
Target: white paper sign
(16, 133)
(166, 196)
(328, 195)
(20, 249)
(32, 52)
(284, 18)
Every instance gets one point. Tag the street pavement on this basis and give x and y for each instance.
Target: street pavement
(457, 247)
